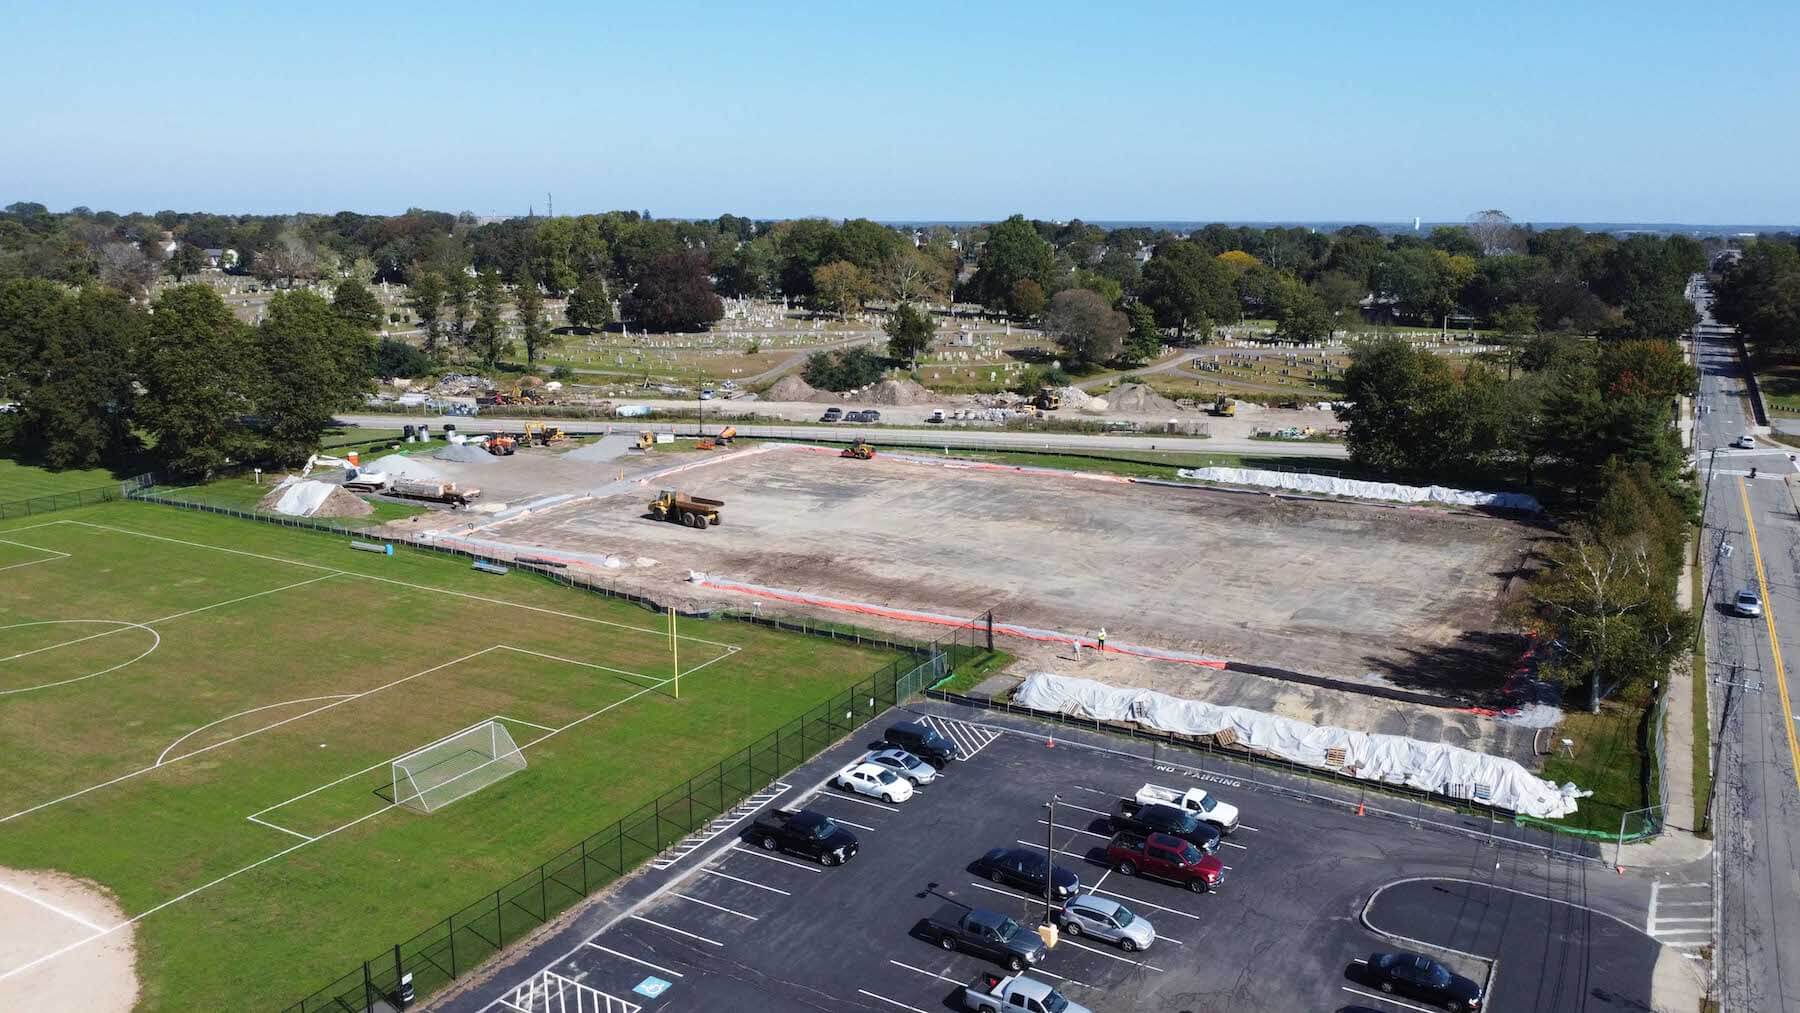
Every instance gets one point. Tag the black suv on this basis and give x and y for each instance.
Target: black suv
(922, 741)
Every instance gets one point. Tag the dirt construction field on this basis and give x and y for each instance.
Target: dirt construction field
(1405, 597)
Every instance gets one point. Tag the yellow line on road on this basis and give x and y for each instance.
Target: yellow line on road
(1762, 582)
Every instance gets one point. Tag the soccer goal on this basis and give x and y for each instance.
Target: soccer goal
(432, 777)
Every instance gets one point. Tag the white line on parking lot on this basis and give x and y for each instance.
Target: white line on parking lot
(843, 797)
(1385, 998)
(928, 974)
(679, 932)
(776, 858)
(847, 823)
(1096, 791)
(1063, 826)
(891, 1002)
(1240, 847)
(710, 904)
(734, 879)
(1005, 893)
(627, 956)
(1085, 809)
(1071, 854)
(1143, 903)
(1254, 830)
(1109, 956)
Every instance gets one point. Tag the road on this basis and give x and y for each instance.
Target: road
(931, 436)
(1750, 538)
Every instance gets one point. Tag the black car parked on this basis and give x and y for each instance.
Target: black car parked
(1424, 979)
(1166, 819)
(1025, 868)
(805, 832)
(922, 741)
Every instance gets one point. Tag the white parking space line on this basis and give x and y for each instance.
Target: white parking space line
(1064, 826)
(1387, 999)
(928, 974)
(1058, 977)
(1096, 791)
(734, 879)
(1143, 903)
(710, 904)
(1071, 854)
(627, 956)
(891, 1002)
(739, 848)
(1245, 826)
(1005, 893)
(1085, 809)
(843, 797)
(1110, 956)
(970, 738)
(679, 932)
(845, 822)
(1228, 844)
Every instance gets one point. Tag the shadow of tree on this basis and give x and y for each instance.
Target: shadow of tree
(1472, 669)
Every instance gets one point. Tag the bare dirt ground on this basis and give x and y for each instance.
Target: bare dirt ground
(1402, 597)
(42, 912)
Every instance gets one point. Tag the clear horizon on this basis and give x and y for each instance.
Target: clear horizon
(1613, 113)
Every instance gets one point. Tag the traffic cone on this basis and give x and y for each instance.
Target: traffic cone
(1050, 743)
(1359, 808)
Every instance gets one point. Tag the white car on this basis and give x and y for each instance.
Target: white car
(874, 781)
(905, 764)
(1745, 442)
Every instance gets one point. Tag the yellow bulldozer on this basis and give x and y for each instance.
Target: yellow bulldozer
(859, 450)
(646, 440)
(693, 511)
(537, 434)
(1048, 399)
(1223, 406)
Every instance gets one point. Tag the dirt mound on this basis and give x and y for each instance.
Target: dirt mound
(791, 388)
(897, 392)
(314, 499)
(463, 453)
(343, 503)
(1136, 397)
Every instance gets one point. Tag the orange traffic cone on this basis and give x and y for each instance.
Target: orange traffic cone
(1050, 743)
(1359, 808)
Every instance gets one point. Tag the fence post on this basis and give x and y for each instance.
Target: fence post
(450, 924)
(368, 989)
(584, 874)
(543, 894)
(499, 920)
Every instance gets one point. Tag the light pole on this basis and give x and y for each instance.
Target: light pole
(1050, 856)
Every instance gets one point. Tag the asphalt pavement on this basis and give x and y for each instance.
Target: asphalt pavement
(1750, 539)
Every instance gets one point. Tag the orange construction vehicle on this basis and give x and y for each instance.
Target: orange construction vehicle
(859, 450)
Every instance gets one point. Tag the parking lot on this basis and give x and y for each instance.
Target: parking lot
(727, 926)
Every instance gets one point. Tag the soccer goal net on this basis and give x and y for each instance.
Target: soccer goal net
(430, 778)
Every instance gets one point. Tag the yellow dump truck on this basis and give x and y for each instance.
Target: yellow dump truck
(693, 511)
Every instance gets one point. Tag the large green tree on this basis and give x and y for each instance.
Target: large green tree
(75, 391)
(909, 332)
(1086, 328)
(198, 369)
(530, 304)
(1014, 252)
(675, 294)
(313, 364)
(590, 305)
(487, 338)
(1188, 288)
(354, 302)
(426, 298)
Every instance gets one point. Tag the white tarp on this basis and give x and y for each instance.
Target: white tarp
(1326, 485)
(302, 498)
(1394, 759)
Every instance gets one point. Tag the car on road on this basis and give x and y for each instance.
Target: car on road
(832, 415)
(874, 781)
(871, 416)
(1166, 819)
(921, 740)
(1087, 915)
(1745, 442)
(1747, 603)
(1161, 856)
(985, 934)
(1422, 978)
(905, 764)
(1026, 868)
(804, 832)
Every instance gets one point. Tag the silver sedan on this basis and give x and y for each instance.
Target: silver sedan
(1088, 915)
(905, 764)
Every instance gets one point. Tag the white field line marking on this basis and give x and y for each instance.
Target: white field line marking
(928, 974)
(46, 905)
(55, 554)
(390, 580)
(734, 879)
(1143, 903)
(1111, 956)
(1384, 998)
(234, 601)
(646, 963)
(271, 706)
(891, 1002)
(603, 668)
(522, 721)
(774, 858)
(844, 795)
(156, 641)
(710, 904)
(679, 932)
(283, 829)
(1064, 826)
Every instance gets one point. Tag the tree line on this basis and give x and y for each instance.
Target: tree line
(1758, 292)
(99, 379)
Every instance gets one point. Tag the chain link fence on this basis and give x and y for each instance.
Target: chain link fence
(80, 498)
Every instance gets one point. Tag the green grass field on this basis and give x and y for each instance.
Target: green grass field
(165, 675)
(24, 481)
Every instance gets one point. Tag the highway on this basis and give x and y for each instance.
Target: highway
(1750, 538)
(929, 436)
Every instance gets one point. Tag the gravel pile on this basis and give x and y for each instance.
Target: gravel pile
(897, 392)
(463, 453)
(792, 388)
(407, 466)
(1136, 397)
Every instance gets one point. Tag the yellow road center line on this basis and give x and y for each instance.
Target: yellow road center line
(1762, 582)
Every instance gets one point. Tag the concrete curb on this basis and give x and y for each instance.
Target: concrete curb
(1493, 966)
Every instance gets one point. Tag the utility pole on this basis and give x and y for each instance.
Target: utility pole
(1050, 856)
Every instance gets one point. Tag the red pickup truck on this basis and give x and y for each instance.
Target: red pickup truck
(1161, 856)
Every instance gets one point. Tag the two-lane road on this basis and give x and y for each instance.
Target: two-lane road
(1751, 539)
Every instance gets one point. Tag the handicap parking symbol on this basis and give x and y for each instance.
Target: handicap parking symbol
(651, 988)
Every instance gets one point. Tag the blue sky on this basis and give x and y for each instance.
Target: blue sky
(1303, 109)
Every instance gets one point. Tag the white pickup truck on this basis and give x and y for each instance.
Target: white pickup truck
(991, 993)
(1195, 801)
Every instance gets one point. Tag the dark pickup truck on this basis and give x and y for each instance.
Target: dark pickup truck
(1165, 819)
(804, 832)
(985, 934)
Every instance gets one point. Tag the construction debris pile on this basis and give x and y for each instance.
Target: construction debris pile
(297, 497)
(1139, 398)
(897, 392)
